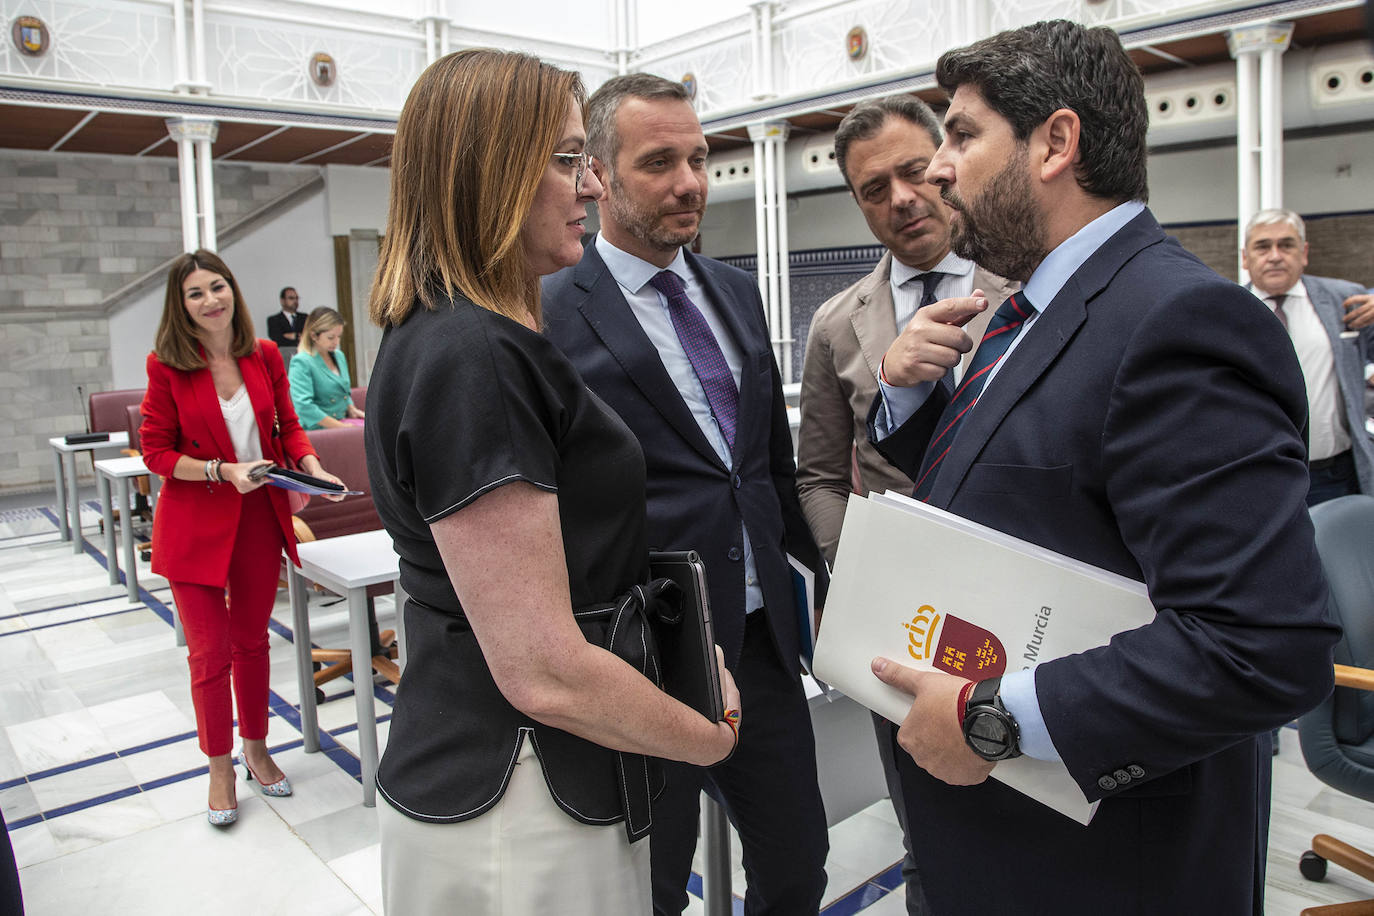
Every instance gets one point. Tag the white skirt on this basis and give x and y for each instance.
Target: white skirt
(523, 856)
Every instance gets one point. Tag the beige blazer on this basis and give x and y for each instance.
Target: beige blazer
(844, 349)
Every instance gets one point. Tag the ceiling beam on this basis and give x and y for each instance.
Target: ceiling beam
(252, 143)
(329, 149)
(148, 149)
(73, 132)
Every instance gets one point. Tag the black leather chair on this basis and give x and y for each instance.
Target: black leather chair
(1338, 736)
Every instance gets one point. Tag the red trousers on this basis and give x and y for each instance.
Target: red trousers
(231, 634)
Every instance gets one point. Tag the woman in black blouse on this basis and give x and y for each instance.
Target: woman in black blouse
(515, 498)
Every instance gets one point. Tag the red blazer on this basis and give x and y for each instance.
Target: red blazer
(196, 522)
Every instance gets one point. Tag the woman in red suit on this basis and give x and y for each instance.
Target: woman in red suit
(218, 404)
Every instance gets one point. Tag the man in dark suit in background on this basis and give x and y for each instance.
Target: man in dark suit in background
(1133, 410)
(1318, 312)
(677, 345)
(882, 148)
(284, 329)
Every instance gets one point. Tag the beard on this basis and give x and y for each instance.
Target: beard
(1002, 230)
(646, 224)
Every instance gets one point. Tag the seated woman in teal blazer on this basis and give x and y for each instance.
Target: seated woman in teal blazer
(320, 385)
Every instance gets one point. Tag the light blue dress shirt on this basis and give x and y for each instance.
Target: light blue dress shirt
(1018, 688)
(650, 308)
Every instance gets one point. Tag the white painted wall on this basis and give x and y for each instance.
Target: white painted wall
(295, 249)
(1320, 174)
(357, 198)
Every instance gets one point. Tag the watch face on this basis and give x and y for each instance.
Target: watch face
(990, 733)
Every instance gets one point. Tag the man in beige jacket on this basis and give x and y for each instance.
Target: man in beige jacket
(882, 148)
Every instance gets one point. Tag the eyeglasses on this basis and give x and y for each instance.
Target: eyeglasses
(581, 160)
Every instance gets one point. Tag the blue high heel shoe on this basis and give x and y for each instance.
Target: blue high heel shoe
(279, 789)
(222, 817)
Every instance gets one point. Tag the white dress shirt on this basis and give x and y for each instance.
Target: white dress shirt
(1327, 434)
(957, 282)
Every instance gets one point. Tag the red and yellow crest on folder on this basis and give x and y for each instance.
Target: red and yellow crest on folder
(952, 644)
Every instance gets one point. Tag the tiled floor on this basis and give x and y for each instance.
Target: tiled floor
(103, 786)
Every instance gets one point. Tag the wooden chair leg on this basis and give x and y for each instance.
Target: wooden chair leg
(1344, 855)
(1358, 908)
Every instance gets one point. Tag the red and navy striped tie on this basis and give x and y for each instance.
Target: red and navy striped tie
(1002, 330)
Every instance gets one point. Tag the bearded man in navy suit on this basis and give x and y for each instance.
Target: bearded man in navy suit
(1145, 416)
(677, 345)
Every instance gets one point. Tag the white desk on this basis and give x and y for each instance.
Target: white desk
(64, 477)
(121, 471)
(347, 565)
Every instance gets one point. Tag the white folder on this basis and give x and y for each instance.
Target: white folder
(929, 589)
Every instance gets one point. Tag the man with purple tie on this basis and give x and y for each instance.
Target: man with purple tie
(677, 345)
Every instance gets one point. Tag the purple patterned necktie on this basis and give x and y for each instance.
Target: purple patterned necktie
(703, 351)
(997, 339)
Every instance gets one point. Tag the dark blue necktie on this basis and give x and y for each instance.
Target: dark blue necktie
(703, 351)
(997, 339)
(930, 279)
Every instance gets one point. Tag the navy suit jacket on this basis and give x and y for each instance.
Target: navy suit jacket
(278, 327)
(1142, 427)
(694, 501)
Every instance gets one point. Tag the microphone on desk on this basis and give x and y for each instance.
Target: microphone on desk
(87, 436)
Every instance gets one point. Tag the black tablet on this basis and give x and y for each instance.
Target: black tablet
(687, 650)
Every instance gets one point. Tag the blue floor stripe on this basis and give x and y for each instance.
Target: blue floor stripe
(858, 899)
(63, 607)
(329, 745)
(49, 626)
(152, 784)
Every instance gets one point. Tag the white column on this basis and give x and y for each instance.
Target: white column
(761, 47)
(620, 26)
(181, 71)
(1259, 120)
(434, 26)
(202, 84)
(760, 222)
(784, 263)
(1271, 117)
(1247, 142)
(193, 136)
(770, 197)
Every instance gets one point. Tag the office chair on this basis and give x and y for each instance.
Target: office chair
(108, 413)
(1338, 736)
(143, 493)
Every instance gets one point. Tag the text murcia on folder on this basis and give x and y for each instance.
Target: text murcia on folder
(929, 589)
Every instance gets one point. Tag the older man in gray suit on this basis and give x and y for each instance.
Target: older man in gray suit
(882, 148)
(1331, 323)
